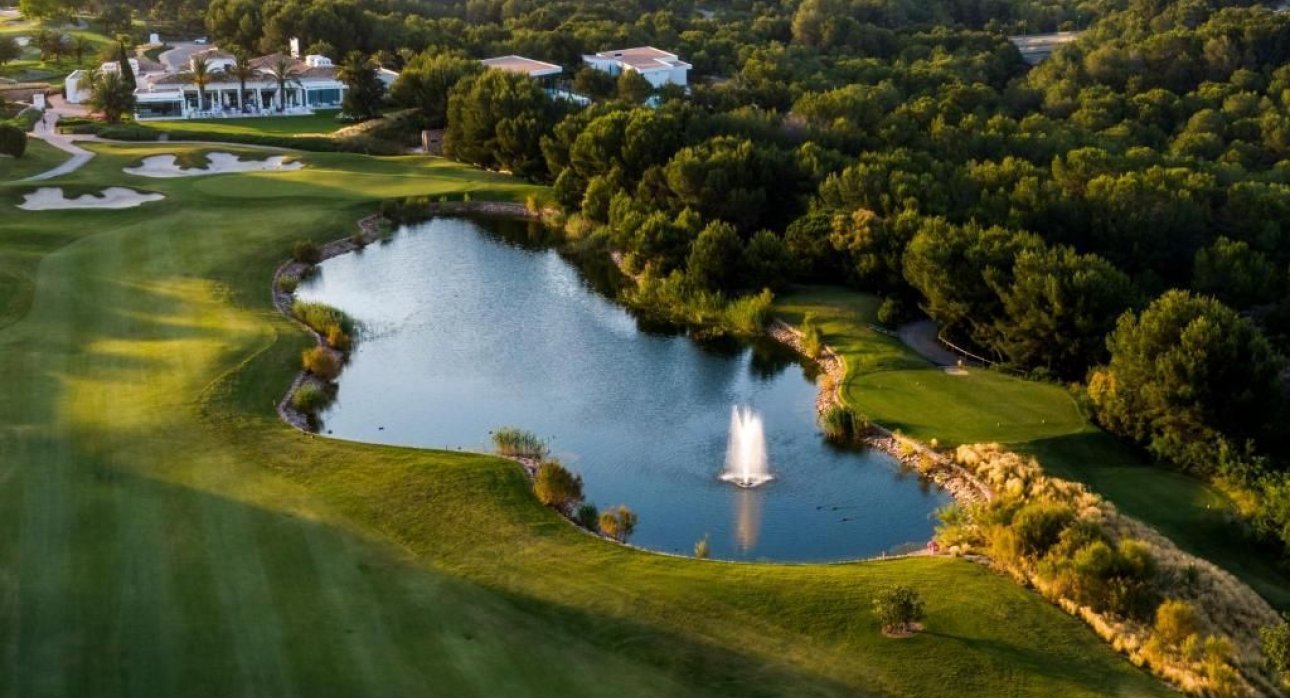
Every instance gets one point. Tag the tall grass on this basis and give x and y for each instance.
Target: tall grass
(513, 442)
(322, 317)
(843, 425)
(1123, 578)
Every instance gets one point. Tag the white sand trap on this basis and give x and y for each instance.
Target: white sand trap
(52, 199)
(220, 163)
(955, 370)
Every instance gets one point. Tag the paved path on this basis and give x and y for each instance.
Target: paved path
(921, 337)
(47, 130)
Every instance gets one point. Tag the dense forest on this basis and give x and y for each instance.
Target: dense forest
(1116, 218)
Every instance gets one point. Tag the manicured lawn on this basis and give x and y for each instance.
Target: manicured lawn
(40, 156)
(161, 533)
(321, 123)
(899, 390)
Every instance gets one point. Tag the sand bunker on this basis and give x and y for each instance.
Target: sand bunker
(955, 370)
(219, 163)
(52, 199)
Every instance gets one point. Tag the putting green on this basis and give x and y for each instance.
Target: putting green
(162, 533)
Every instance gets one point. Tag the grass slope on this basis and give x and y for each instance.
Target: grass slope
(900, 390)
(40, 157)
(161, 533)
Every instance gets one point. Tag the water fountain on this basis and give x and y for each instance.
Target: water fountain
(746, 463)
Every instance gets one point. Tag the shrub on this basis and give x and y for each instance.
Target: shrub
(587, 516)
(812, 338)
(321, 362)
(843, 425)
(307, 252)
(618, 523)
(338, 338)
(321, 317)
(557, 487)
(890, 312)
(1276, 647)
(1039, 526)
(518, 443)
(1176, 620)
(702, 549)
(13, 141)
(309, 398)
(898, 608)
(287, 283)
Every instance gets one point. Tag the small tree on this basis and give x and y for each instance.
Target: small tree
(13, 141)
(898, 608)
(557, 487)
(618, 523)
(127, 70)
(9, 49)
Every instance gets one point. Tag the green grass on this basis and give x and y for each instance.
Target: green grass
(162, 533)
(319, 124)
(899, 390)
(40, 157)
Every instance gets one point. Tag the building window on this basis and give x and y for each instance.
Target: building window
(324, 97)
(158, 110)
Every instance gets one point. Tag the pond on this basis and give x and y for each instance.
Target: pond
(466, 327)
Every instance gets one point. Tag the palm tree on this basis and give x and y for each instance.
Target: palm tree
(80, 47)
(242, 70)
(283, 70)
(201, 76)
(111, 95)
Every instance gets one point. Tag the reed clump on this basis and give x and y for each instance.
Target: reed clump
(513, 442)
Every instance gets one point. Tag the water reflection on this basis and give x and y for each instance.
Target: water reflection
(748, 506)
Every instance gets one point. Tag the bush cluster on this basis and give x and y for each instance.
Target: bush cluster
(513, 442)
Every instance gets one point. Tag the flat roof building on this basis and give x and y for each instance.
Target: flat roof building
(522, 66)
(655, 65)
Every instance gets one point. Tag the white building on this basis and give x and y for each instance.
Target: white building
(311, 84)
(657, 66)
(522, 66)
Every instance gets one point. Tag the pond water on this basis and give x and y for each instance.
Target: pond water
(467, 328)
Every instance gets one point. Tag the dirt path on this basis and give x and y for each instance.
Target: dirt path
(921, 337)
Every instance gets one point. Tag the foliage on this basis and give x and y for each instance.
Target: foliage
(1184, 371)
(9, 49)
(13, 141)
(587, 516)
(1276, 646)
(321, 362)
(812, 337)
(557, 487)
(111, 96)
(309, 398)
(618, 523)
(702, 549)
(426, 81)
(365, 91)
(843, 425)
(306, 251)
(898, 608)
(518, 443)
(496, 120)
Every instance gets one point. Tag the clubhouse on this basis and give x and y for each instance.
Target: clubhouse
(307, 84)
